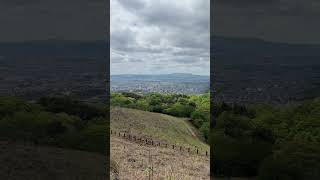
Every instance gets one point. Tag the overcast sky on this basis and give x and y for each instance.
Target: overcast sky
(160, 37)
(24, 20)
(293, 21)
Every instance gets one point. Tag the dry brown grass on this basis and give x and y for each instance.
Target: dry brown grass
(140, 161)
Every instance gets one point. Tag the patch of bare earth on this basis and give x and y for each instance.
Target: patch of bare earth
(139, 161)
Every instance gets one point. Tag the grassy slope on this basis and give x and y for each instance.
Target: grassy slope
(30, 162)
(133, 159)
(157, 126)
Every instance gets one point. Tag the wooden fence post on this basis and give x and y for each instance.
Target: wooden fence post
(148, 142)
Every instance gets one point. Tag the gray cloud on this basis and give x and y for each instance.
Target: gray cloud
(160, 36)
(123, 39)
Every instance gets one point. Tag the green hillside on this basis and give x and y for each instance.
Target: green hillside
(157, 126)
(267, 141)
(53, 138)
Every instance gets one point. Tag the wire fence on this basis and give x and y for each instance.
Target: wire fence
(157, 143)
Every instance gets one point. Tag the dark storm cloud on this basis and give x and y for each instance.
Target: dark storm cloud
(23, 20)
(170, 35)
(294, 21)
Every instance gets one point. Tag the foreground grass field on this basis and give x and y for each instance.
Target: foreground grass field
(137, 160)
(32, 162)
(165, 128)
(131, 160)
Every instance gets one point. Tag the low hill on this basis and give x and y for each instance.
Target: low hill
(161, 127)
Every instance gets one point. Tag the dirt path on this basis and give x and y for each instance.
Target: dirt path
(192, 132)
(190, 129)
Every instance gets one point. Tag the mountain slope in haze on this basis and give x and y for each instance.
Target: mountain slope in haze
(256, 71)
(37, 68)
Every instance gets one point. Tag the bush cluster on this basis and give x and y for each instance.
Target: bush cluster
(56, 121)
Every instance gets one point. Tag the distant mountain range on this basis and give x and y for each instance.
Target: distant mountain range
(174, 77)
(254, 70)
(182, 83)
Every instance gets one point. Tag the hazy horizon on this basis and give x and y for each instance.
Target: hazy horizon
(161, 74)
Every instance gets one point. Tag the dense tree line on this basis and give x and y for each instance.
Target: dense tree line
(55, 121)
(195, 107)
(267, 142)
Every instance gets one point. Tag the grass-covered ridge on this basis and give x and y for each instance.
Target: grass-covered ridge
(157, 126)
(194, 107)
